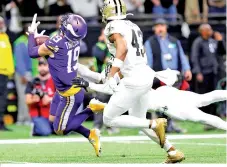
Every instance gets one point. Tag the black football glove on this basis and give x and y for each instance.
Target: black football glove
(80, 82)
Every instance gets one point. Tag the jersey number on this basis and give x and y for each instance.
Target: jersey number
(72, 59)
(135, 44)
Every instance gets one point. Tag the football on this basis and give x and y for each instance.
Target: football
(41, 39)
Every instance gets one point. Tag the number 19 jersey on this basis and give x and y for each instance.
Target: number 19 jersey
(136, 56)
(63, 62)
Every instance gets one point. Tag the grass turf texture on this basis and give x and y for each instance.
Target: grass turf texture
(147, 152)
(195, 150)
(23, 132)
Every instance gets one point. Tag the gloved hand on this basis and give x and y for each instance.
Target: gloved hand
(33, 27)
(80, 82)
(111, 82)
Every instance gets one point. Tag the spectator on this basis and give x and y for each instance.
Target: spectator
(25, 69)
(92, 8)
(101, 55)
(205, 50)
(14, 22)
(39, 94)
(168, 52)
(196, 11)
(217, 6)
(59, 8)
(192, 12)
(134, 6)
(165, 7)
(164, 51)
(6, 69)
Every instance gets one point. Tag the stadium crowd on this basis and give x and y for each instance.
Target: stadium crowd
(202, 61)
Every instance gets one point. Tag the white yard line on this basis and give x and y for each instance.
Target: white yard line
(180, 143)
(107, 139)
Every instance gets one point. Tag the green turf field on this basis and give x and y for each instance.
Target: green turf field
(208, 150)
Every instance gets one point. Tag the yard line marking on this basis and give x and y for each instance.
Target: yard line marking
(181, 143)
(107, 139)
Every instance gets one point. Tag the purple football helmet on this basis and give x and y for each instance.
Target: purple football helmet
(73, 27)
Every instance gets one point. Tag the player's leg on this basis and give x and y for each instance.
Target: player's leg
(53, 108)
(212, 97)
(68, 119)
(173, 154)
(119, 103)
(200, 100)
(196, 115)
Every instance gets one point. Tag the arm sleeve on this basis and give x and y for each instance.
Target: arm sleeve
(221, 50)
(184, 61)
(195, 57)
(19, 56)
(102, 88)
(29, 88)
(88, 75)
(149, 53)
(32, 48)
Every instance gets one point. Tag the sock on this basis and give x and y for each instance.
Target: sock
(154, 124)
(76, 121)
(167, 146)
(83, 131)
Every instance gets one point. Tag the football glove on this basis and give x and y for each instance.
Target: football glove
(33, 27)
(111, 82)
(80, 82)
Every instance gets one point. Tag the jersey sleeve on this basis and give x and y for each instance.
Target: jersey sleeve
(53, 43)
(114, 27)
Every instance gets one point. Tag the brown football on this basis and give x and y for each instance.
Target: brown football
(40, 40)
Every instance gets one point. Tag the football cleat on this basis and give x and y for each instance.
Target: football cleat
(178, 157)
(94, 139)
(96, 105)
(161, 124)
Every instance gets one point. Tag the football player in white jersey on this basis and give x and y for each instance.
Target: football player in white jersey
(125, 43)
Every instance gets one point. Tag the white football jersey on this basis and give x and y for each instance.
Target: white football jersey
(136, 57)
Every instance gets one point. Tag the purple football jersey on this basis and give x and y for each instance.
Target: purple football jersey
(63, 62)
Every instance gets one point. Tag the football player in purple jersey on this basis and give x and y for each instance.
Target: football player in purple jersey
(62, 52)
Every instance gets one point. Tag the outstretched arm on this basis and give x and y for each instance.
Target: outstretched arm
(35, 51)
(89, 75)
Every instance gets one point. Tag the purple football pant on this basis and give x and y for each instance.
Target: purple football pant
(67, 118)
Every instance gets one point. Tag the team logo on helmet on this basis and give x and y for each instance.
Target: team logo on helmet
(113, 10)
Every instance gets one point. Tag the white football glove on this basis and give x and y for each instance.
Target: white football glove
(33, 27)
(36, 34)
(111, 82)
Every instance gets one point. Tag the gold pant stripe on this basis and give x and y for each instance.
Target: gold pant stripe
(63, 112)
(72, 91)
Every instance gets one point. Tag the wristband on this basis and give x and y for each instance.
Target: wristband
(117, 63)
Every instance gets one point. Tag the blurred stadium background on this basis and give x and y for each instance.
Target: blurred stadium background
(183, 22)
